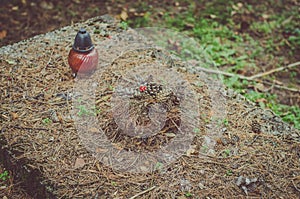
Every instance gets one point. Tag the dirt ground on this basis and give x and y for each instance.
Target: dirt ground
(23, 19)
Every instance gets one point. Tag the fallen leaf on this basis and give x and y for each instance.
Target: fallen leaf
(262, 100)
(79, 163)
(3, 34)
(15, 8)
(213, 16)
(124, 15)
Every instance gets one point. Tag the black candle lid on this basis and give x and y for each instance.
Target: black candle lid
(83, 42)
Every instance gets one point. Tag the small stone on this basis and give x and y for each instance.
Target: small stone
(245, 190)
(247, 181)
(240, 180)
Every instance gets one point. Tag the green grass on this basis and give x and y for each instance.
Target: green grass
(188, 194)
(218, 34)
(46, 121)
(4, 176)
(84, 111)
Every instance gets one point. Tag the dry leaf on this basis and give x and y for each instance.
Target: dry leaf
(3, 34)
(15, 8)
(124, 15)
(79, 163)
(263, 100)
(213, 16)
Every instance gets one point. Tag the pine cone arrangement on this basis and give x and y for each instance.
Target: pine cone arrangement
(155, 91)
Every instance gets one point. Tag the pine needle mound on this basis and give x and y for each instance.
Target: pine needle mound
(52, 131)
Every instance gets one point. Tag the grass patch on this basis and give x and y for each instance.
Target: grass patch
(233, 51)
(4, 175)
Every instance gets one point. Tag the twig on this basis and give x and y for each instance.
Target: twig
(143, 192)
(253, 78)
(222, 73)
(274, 70)
(280, 87)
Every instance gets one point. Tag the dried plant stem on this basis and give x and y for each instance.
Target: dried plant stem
(254, 77)
(218, 72)
(274, 70)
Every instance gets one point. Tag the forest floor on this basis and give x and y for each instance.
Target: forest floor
(254, 38)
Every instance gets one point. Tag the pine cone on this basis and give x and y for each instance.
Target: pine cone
(155, 91)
